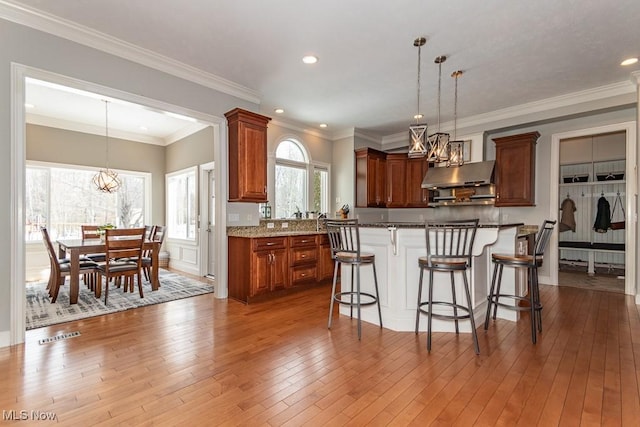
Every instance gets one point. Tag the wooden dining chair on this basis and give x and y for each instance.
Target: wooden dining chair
(147, 259)
(123, 259)
(61, 268)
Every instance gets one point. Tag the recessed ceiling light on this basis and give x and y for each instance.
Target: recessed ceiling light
(309, 59)
(629, 61)
(323, 125)
(29, 106)
(279, 110)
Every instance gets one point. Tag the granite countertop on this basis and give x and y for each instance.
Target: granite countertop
(421, 225)
(277, 233)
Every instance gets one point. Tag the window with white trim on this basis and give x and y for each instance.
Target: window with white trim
(290, 179)
(182, 204)
(63, 197)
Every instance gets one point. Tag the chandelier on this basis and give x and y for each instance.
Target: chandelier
(456, 147)
(438, 143)
(106, 180)
(418, 131)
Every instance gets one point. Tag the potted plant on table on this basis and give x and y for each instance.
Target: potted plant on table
(103, 228)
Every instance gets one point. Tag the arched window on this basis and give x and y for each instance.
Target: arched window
(291, 179)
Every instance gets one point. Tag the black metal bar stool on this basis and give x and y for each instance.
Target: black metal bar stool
(531, 263)
(449, 246)
(344, 236)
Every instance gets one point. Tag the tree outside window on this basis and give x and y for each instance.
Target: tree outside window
(62, 198)
(290, 179)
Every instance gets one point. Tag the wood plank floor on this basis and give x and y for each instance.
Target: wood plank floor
(203, 361)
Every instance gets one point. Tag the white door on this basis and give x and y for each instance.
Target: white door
(211, 223)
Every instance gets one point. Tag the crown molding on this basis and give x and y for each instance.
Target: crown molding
(51, 122)
(301, 128)
(69, 30)
(635, 77)
(184, 132)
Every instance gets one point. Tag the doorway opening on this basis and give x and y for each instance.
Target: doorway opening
(592, 185)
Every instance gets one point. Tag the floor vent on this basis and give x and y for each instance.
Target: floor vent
(59, 337)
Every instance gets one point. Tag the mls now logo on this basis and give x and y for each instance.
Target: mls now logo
(25, 415)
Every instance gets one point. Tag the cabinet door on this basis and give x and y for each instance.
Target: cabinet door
(370, 178)
(416, 195)
(247, 156)
(325, 264)
(261, 277)
(396, 180)
(515, 170)
(279, 269)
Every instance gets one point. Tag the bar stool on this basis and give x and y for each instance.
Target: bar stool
(344, 237)
(449, 246)
(531, 263)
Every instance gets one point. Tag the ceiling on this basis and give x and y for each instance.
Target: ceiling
(511, 52)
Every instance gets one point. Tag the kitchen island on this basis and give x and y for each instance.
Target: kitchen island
(397, 247)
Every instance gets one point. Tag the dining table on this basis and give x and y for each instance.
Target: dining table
(74, 248)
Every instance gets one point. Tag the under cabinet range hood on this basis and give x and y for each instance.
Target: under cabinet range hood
(467, 175)
(469, 184)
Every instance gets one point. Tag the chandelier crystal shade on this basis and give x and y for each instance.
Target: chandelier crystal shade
(106, 180)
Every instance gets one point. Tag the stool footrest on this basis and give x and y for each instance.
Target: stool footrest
(446, 316)
(496, 301)
(339, 295)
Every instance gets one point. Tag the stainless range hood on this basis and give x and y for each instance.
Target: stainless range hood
(467, 175)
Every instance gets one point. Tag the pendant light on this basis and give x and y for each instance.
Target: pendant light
(456, 147)
(438, 142)
(418, 131)
(106, 180)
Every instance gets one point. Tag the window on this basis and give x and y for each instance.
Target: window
(291, 179)
(182, 204)
(299, 186)
(320, 189)
(62, 198)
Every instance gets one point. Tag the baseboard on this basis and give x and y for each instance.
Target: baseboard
(184, 267)
(546, 280)
(5, 338)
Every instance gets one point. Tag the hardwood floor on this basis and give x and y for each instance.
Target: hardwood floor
(203, 361)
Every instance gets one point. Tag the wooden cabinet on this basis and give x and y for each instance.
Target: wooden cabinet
(257, 266)
(325, 261)
(303, 259)
(247, 156)
(370, 178)
(515, 169)
(396, 182)
(417, 197)
(266, 266)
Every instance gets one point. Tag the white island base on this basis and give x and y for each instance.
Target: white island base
(397, 250)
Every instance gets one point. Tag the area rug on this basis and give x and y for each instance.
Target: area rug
(40, 312)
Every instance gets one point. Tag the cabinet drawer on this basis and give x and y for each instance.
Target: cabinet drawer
(303, 274)
(299, 241)
(266, 243)
(299, 256)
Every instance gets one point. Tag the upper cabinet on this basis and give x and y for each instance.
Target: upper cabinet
(371, 174)
(396, 183)
(515, 170)
(417, 197)
(247, 156)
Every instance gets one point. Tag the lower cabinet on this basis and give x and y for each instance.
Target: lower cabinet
(325, 262)
(262, 266)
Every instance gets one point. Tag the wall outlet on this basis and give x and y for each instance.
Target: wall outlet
(234, 217)
(285, 225)
(270, 225)
(249, 217)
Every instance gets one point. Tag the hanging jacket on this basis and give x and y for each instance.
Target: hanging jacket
(603, 216)
(568, 219)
